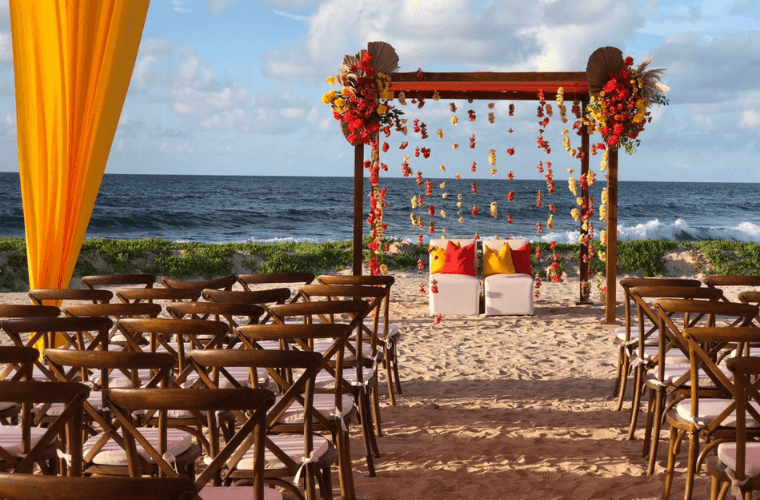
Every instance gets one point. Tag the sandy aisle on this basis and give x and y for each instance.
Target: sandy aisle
(505, 407)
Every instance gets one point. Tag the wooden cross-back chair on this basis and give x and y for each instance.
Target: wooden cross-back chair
(68, 365)
(387, 332)
(8, 311)
(22, 358)
(256, 281)
(223, 283)
(333, 405)
(230, 313)
(365, 350)
(356, 377)
(115, 311)
(694, 417)
(287, 455)
(35, 487)
(124, 403)
(646, 356)
(736, 468)
(261, 298)
(627, 335)
(726, 282)
(117, 280)
(40, 295)
(21, 447)
(73, 333)
(105, 453)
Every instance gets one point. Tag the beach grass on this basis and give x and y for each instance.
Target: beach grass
(206, 260)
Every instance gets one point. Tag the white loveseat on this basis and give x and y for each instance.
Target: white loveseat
(508, 294)
(458, 294)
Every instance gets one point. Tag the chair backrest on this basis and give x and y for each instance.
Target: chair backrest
(124, 402)
(118, 280)
(218, 311)
(115, 311)
(76, 333)
(72, 395)
(746, 398)
(21, 359)
(151, 294)
(443, 243)
(254, 280)
(170, 335)
(223, 283)
(9, 311)
(629, 283)
(514, 243)
(40, 295)
(36, 487)
(259, 297)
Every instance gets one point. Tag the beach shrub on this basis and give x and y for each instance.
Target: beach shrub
(644, 255)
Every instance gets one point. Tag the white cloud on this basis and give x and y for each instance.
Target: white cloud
(141, 70)
(179, 6)
(228, 120)
(294, 17)
(218, 6)
(6, 47)
(750, 119)
(189, 100)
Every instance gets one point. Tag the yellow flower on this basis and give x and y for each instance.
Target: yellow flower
(457, 176)
(326, 98)
(575, 213)
(444, 230)
(443, 213)
(382, 109)
(494, 210)
(572, 186)
(414, 202)
(440, 133)
(550, 222)
(445, 195)
(459, 197)
(455, 145)
(384, 269)
(454, 121)
(340, 102)
(492, 157)
(443, 184)
(459, 204)
(461, 220)
(331, 80)
(493, 171)
(579, 201)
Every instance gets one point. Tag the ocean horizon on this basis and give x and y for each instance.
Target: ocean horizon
(221, 209)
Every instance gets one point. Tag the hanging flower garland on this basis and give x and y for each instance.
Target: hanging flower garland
(621, 97)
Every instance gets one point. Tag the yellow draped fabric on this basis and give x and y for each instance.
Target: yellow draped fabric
(73, 60)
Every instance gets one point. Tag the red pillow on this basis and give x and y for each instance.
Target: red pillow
(460, 260)
(521, 259)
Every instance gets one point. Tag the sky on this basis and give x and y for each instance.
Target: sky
(233, 87)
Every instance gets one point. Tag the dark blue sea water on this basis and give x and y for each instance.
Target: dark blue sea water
(267, 209)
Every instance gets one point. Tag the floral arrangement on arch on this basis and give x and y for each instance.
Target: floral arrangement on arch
(362, 104)
(621, 96)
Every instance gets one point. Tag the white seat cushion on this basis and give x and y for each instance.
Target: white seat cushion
(509, 294)
(672, 357)
(241, 375)
(4, 405)
(711, 408)
(236, 493)
(326, 381)
(10, 438)
(727, 455)
(323, 403)
(292, 445)
(653, 338)
(177, 442)
(674, 372)
(95, 399)
(393, 329)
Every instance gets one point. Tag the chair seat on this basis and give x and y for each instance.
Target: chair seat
(348, 356)
(95, 399)
(672, 357)
(323, 403)
(653, 338)
(393, 329)
(674, 372)
(10, 438)
(727, 455)
(458, 294)
(508, 294)
(4, 405)
(116, 379)
(235, 493)
(711, 408)
(177, 442)
(292, 445)
(326, 381)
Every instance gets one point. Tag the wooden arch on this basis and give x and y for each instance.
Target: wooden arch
(522, 86)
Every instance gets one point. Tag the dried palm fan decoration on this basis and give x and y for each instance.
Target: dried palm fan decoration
(374, 65)
(621, 96)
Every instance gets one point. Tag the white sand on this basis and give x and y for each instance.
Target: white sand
(506, 407)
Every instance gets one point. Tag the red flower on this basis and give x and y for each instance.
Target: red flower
(511, 196)
(420, 265)
(509, 218)
(511, 151)
(510, 176)
(474, 167)
(437, 320)
(474, 187)
(386, 147)
(628, 61)
(475, 211)
(419, 239)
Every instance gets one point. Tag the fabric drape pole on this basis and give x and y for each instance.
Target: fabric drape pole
(73, 61)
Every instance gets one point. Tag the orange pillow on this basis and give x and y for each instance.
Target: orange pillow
(521, 259)
(437, 259)
(498, 262)
(460, 260)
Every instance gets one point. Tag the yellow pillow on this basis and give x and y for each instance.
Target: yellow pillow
(498, 263)
(438, 258)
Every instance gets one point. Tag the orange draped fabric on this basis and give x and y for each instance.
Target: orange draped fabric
(73, 60)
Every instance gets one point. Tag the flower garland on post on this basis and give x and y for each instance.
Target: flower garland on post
(621, 96)
(363, 109)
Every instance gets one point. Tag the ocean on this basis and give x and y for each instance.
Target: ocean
(216, 209)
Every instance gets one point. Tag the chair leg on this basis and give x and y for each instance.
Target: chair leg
(376, 408)
(368, 433)
(673, 445)
(637, 389)
(626, 368)
(345, 474)
(389, 373)
(619, 372)
(659, 407)
(691, 465)
(648, 426)
(325, 484)
(394, 362)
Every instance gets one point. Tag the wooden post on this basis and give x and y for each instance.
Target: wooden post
(583, 254)
(612, 199)
(358, 207)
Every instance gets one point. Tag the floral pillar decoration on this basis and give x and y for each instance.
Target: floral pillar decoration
(621, 96)
(362, 106)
